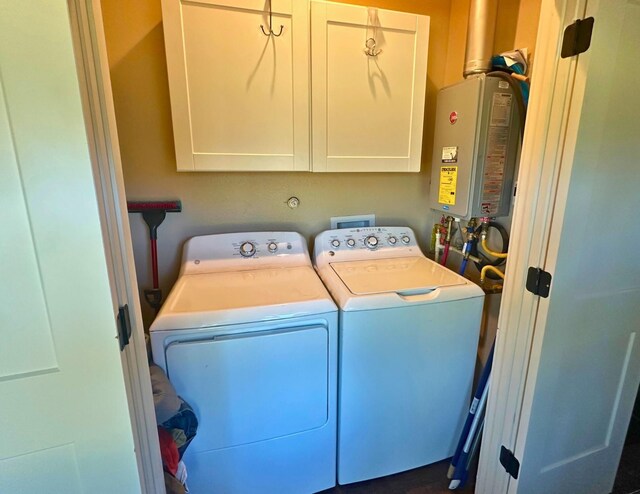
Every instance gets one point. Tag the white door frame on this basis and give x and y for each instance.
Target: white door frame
(549, 141)
(95, 84)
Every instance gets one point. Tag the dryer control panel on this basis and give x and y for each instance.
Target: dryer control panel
(248, 250)
(366, 243)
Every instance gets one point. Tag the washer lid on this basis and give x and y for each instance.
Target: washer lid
(399, 275)
(201, 300)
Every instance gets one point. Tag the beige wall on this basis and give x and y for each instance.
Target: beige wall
(226, 202)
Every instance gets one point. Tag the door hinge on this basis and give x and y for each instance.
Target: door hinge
(577, 37)
(509, 462)
(124, 326)
(538, 282)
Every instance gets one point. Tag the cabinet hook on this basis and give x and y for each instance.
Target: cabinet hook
(370, 48)
(270, 32)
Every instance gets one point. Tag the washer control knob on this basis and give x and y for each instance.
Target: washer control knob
(351, 242)
(371, 241)
(272, 246)
(335, 243)
(247, 249)
(392, 240)
(406, 239)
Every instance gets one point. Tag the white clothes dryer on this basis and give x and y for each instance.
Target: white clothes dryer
(407, 350)
(248, 337)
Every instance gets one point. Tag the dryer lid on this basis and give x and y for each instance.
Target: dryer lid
(398, 275)
(233, 297)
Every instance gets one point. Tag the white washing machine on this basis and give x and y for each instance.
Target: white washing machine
(248, 337)
(407, 350)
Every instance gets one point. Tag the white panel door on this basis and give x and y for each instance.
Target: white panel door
(585, 361)
(63, 412)
(239, 98)
(367, 109)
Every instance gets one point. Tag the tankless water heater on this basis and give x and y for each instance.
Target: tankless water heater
(476, 147)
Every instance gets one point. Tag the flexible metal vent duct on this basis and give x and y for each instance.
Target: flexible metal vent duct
(480, 33)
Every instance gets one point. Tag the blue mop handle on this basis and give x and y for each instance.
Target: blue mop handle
(484, 377)
(478, 421)
(462, 472)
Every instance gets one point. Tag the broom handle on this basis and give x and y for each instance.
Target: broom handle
(154, 262)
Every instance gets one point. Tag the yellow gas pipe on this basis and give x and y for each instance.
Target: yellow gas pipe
(485, 247)
(491, 268)
(499, 255)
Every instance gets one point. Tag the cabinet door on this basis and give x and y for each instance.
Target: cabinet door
(368, 110)
(239, 98)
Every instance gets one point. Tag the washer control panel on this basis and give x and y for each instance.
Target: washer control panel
(259, 247)
(231, 251)
(356, 243)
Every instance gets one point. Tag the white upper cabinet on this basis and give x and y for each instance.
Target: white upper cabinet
(369, 74)
(239, 98)
(241, 101)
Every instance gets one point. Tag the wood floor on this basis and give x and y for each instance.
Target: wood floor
(431, 479)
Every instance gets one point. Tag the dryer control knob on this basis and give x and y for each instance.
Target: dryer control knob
(272, 246)
(351, 243)
(406, 239)
(247, 249)
(335, 243)
(371, 241)
(392, 240)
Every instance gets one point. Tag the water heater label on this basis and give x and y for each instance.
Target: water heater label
(501, 109)
(494, 169)
(448, 182)
(450, 154)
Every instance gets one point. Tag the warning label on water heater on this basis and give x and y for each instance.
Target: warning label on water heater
(501, 109)
(448, 182)
(450, 154)
(493, 176)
